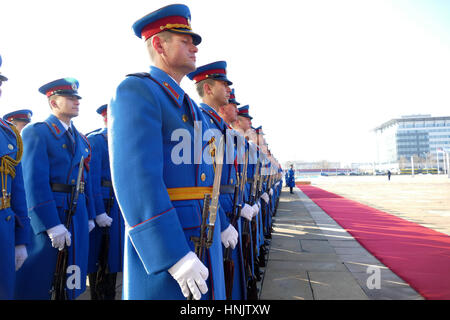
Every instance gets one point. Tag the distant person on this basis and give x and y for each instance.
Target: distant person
(291, 179)
(389, 175)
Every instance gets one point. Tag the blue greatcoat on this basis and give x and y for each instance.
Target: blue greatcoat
(291, 178)
(48, 158)
(226, 200)
(104, 199)
(14, 221)
(151, 124)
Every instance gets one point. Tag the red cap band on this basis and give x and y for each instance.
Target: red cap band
(50, 92)
(204, 75)
(167, 23)
(23, 116)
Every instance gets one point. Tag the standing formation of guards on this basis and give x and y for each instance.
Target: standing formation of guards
(177, 196)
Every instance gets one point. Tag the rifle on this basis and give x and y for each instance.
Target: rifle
(58, 290)
(252, 291)
(246, 240)
(101, 278)
(210, 205)
(237, 207)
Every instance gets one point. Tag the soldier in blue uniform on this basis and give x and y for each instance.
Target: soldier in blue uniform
(291, 178)
(213, 87)
(265, 209)
(53, 150)
(243, 126)
(160, 188)
(20, 118)
(14, 221)
(106, 241)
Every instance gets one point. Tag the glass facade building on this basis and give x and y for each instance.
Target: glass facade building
(409, 136)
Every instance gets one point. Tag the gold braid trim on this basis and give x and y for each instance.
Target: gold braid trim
(7, 166)
(175, 26)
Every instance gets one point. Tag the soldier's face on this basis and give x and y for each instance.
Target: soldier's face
(19, 124)
(245, 123)
(66, 106)
(180, 53)
(221, 92)
(230, 113)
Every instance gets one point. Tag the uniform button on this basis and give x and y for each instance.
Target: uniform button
(203, 177)
(211, 120)
(185, 118)
(64, 146)
(8, 218)
(73, 181)
(10, 146)
(231, 181)
(87, 150)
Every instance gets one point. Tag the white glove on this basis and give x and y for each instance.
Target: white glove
(21, 255)
(91, 225)
(265, 197)
(229, 237)
(247, 212)
(255, 208)
(276, 184)
(191, 275)
(59, 236)
(103, 220)
(271, 192)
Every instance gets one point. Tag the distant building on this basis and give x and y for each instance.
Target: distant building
(417, 136)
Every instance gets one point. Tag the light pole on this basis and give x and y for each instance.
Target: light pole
(437, 160)
(426, 160)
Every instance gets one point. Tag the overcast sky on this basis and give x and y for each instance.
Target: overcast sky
(318, 75)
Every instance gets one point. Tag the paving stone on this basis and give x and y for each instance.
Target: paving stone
(286, 285)
(316, 246)
(328, 285)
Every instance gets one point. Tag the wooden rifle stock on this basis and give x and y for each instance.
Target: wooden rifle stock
(202, 242)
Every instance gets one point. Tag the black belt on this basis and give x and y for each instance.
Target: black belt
(249, 180)
(227, 189)
(61, 187)
(107, 184)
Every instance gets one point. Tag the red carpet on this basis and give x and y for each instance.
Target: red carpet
(418, 255)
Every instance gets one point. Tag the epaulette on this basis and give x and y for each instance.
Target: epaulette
(166, 87)
(139, 74)
(94, 131)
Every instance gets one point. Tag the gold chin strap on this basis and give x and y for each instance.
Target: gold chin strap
(7, 167)
(175, 26)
